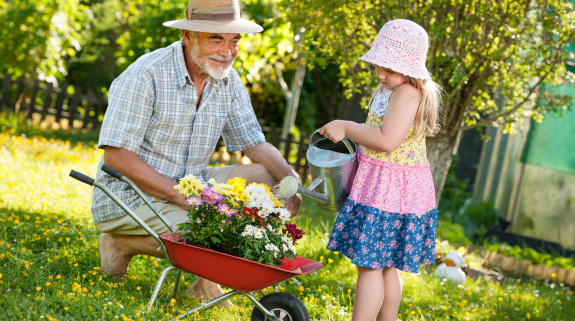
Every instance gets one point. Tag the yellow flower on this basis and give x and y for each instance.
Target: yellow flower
(38, 288)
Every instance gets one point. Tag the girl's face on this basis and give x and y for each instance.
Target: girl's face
(389, 78)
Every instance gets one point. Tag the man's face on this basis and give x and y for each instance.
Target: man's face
(214, 53)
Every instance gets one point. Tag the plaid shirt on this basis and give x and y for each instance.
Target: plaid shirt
(152, 112)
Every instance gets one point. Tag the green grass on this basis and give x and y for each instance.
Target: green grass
(49, 259)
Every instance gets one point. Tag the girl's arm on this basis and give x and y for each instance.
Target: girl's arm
(399, 116)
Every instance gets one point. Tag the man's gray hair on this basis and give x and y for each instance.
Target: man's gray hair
(195, 34)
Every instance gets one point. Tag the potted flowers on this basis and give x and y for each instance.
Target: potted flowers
(244, 221)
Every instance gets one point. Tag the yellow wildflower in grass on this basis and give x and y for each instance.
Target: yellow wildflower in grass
(528, 315)
(329, 260)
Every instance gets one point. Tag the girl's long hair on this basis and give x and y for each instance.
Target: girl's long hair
(426, 120)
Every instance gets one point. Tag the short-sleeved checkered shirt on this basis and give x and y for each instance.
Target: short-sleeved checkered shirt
(152, 112)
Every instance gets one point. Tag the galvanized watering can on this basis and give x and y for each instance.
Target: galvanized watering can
(332, 166)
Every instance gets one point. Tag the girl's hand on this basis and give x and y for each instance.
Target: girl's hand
(334, 130)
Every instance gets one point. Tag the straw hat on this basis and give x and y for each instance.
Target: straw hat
(401, 45)
(214, 16)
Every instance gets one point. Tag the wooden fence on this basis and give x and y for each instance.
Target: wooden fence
(84, 108)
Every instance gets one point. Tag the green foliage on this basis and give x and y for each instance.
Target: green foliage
(38, 36)
(452, 232)
(526, 253)
(456, 207)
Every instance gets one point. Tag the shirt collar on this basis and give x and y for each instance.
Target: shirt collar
(180, 67)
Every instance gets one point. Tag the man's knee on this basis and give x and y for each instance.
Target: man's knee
(253, 173)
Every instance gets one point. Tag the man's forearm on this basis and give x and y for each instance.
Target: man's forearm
(142, 174)
(267, 155)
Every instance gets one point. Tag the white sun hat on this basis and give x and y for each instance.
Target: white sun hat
(401, 45)
(214, 16)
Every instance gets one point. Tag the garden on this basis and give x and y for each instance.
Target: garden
(50, 263)
(300, 72)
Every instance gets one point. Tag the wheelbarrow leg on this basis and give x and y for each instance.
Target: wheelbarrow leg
(159, 285)
(178, 278)
(260, 307)
(207, 305)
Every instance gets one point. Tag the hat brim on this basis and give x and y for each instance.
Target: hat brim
(229, 26)
(420, 73)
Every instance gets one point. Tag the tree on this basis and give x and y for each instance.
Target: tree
(38, 36)
(490, 56)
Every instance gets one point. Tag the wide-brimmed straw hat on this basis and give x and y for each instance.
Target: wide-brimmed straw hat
(214, 16)
(401, 45)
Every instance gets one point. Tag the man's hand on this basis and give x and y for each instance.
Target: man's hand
(293, 203)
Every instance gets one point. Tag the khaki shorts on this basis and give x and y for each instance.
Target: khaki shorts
(125, 225)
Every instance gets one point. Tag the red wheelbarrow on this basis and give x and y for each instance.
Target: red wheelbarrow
(241, 275)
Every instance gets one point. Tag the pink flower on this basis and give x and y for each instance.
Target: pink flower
(224, 209)
(194, 201)
(211, 197)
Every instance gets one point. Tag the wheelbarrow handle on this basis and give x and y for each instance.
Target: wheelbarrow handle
(88, 180)
(82, 178)
(112, 171)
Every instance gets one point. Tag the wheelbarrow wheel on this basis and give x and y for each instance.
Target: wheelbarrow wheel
(284, 306)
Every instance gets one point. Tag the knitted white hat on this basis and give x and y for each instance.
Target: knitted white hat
(401, 45)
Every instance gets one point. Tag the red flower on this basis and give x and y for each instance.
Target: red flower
(254, 212)
(293, 232)
(250, 211)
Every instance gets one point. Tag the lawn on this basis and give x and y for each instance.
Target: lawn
(50, 265)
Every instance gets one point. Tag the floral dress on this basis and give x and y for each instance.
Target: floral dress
(390, 216)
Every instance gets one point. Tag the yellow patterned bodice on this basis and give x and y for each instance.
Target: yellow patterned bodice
(411, 151)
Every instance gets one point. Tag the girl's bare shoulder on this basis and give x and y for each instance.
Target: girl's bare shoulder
(406, 90)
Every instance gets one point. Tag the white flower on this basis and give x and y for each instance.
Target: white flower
(249, 230)
(287, 245)
(271, 247)
(259, 233)
(284, 214)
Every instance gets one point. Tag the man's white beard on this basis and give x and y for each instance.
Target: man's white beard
(202, 62)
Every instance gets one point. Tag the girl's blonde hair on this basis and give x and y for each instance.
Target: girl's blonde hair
(427, 117)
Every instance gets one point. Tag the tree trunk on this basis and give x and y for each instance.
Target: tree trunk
(440, 150)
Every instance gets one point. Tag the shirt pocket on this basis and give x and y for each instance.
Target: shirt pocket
(207, 130)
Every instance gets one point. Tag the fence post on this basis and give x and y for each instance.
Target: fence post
(19, 94)
(89, 104)
(60, 101)
(73, 105)
(32, 105)
(6, 89)
(47, 100)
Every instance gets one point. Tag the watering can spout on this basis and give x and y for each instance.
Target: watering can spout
(288, 187)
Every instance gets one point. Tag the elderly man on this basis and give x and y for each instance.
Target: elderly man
(166, 114)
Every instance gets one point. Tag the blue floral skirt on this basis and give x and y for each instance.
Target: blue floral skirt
(376, 239)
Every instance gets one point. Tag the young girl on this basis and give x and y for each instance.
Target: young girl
(389, 219)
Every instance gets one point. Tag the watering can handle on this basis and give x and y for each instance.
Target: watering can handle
(344, 140)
